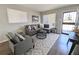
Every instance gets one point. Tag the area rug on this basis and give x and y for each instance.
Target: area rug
(43, 46)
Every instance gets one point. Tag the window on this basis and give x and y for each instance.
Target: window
(69, 21)
(16, 16)
(69, 17)
(49, 19)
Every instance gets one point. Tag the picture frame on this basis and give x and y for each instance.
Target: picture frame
(35, 19)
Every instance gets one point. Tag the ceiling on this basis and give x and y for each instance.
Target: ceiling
(43, 7)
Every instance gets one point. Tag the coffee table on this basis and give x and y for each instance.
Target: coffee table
(41, 34)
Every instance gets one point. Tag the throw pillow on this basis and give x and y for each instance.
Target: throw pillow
(22, 33)
(21, 38)
(14, 42)
(35, 27)
(14, 39)
(29, 27)
(38, 25)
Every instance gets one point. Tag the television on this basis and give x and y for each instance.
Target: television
(46, 25)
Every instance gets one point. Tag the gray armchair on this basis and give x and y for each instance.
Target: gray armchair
(23, 47)
(20, 47)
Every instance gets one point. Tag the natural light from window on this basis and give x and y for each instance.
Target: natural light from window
(69, 21)
(69, 17)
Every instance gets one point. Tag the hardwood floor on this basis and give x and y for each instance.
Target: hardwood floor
(60, 47)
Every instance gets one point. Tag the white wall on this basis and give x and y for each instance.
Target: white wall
(5, 26)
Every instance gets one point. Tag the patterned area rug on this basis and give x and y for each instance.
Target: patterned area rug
(42, 46)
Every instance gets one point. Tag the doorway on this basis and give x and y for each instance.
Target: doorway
(68, 23)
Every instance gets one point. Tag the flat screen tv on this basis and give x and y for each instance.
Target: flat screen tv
(46, 25)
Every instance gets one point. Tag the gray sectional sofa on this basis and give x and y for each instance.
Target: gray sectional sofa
(32, 29)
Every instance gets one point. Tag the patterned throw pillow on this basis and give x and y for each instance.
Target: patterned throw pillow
(22, 33)
(13, 38)
(21, 38)
(35, 27)
(29, 28)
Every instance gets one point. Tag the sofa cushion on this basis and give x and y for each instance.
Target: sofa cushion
(31, 30)
(27, 37)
